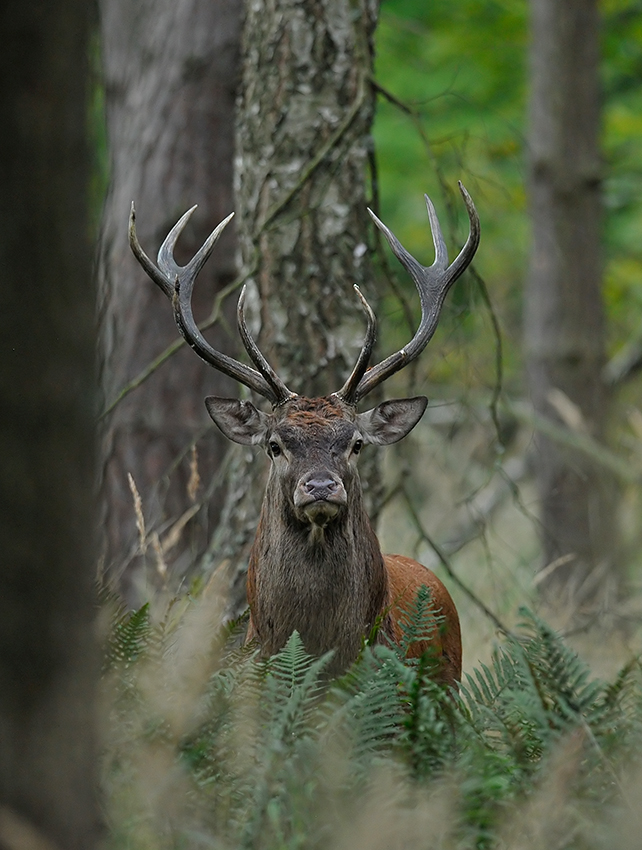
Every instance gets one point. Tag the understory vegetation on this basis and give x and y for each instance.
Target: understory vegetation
(210, 747)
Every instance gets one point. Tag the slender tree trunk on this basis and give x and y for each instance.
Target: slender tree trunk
(170, 80)
(303, 125)
(48, 660)
(564, 320)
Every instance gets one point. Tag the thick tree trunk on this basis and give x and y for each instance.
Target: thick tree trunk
(564, 318)
(48, 660)
(170, 80)
(303, 137)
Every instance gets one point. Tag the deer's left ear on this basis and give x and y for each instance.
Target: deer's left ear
(391, 420)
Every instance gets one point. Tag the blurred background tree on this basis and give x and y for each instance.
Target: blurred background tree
(564, 321)
(169, 75)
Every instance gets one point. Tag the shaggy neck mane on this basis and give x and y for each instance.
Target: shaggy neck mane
(328, 584)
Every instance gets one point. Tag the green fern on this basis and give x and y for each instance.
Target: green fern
(430, 721)
(564, 679)
(283, 756)
(421, 621)
(130, 637)
(364, 707)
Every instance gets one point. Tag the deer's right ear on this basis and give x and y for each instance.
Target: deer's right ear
(240, 421)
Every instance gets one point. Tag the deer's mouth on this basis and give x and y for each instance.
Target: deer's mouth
(320, 512)
(319, 497)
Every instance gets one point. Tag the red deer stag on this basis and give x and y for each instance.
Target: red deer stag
(316, 565)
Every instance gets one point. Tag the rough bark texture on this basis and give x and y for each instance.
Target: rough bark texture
(303, 136)
(48, 661)
(564, 320)
(170, 81)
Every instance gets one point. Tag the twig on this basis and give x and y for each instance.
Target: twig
(416, 118)
(486, 502)
(446, 564)
(499, 357)
(626, 363)
(149, 370)
(589, 446)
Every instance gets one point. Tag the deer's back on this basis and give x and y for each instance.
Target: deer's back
(405, 577)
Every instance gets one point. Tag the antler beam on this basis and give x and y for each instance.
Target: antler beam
(177, 283)
(432, 282)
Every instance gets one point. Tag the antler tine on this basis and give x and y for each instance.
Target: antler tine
(155, 274)
(282, 393)
(168, 264)
(348, 390)
(432, 282)
(465, 256)
(441, 251)
(177, 282)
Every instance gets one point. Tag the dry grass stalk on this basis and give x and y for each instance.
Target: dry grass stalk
(138, 509)
(194, 482)
(174, 534)
(161, 566)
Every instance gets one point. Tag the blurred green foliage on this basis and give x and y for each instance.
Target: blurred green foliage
(622, 76)
(461, 68)
(208, 746)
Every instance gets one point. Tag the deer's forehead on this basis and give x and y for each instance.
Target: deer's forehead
(313, 433)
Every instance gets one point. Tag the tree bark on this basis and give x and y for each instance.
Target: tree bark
(48, 660)
(564, 314)
(170, 74)
(303, 139)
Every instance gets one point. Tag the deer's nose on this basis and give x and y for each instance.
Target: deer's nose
(321, 487)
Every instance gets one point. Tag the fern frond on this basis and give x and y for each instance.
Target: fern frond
(130, 637)
(293, 683)
(420, 621)
(430, 722)
(570, 692)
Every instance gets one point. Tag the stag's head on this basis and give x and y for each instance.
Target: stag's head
(313, 444)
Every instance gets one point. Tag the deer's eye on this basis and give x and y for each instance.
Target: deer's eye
(275, 449)
(357, 447)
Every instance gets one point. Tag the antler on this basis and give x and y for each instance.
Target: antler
(177, 282)
(348, 390)
(432, 282)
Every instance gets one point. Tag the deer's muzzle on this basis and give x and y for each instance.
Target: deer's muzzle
(320, 497)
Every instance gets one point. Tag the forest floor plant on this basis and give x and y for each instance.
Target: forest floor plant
(209, 746)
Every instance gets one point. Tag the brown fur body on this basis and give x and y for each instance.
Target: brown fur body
(405, 577)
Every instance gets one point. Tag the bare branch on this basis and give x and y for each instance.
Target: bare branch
(605, 457)
(444, 560)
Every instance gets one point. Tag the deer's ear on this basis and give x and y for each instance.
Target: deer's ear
(240, 421)
(391, 420)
